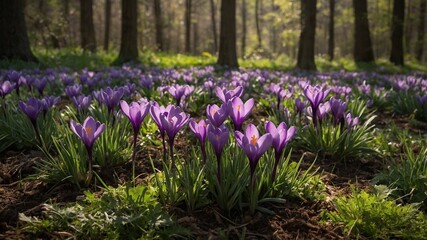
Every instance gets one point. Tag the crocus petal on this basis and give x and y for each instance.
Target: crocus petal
(251, 131)
(264, 143)
(125, 107)
(239, 137)
(248, 107)
(99, 130)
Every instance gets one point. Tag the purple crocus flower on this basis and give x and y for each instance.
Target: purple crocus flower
(338, 108)
(253, 145)
(73, 91)
(179, 92)
(68, 80)
(281, 136)
(81, 102)
(172, 122)
(422, 100)
(216, 115)
(155, 112)
(40, 84)
(351, 121)
(32, 109)
(225, 95)
(88, 133)
(16, 78)
(200, 131)
(136, 113)
(218, 137)
(315, 96)
(146, 81)
(110, 97)
(48, 102)
(239, 111)
(5, 88)
(299, 105)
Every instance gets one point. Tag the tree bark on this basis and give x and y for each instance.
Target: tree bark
(257, 25)
(308, 30)
(273, 35)
(188, 26)
(421, 33)
(227, 40)
(195, 37)
(331, 39)
(214, 31)
(398, 18)
(14, 43)
(363, 51)
(107, 24)
(129, 43)
(87, 29)
(159, 25)
(244, 27)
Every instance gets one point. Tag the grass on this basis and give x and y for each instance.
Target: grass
(76, 59)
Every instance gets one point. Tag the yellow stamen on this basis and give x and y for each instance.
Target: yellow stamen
(238, 108)
(253, 140)
(213, 112)
(88, 130)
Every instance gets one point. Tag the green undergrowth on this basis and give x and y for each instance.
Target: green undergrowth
(118, 213)
(76, 59)
(375, 216)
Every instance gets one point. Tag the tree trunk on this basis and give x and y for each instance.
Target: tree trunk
(331, 39)
(214, 31)
(159, 25)
(188, 26)
(257, 25)
(363, 51)
(421, 33)
(408, 27)
(14, 43)
(227, 38)
(244, 29)
(129, 43)
(273, 36)
(308, 30)
(107, 24)
(87, 29)
(396, 56)
(195, 37)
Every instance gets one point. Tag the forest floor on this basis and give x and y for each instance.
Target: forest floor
(295, 219)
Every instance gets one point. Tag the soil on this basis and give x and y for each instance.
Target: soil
(296, 219)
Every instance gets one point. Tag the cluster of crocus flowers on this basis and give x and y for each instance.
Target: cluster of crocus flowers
(110, 97)
(169, 120)
(81, 102)
(315, 96)
(180, 92)
(217, 115)
(88, 133)
(338, 108)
